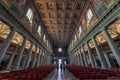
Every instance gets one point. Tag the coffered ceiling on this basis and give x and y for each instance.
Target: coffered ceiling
(60, 18)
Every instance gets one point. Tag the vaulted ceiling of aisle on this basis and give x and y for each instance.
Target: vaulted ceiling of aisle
(60, 18)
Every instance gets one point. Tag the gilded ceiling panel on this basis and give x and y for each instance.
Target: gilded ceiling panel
(4, 30)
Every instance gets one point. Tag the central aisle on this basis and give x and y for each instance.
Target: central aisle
(60, 75)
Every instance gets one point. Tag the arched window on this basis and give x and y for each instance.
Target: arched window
(39, 30)
(80, 30)
(75, 38)
(29, 14)
(44, 38)
(89, 15)
(47, 42)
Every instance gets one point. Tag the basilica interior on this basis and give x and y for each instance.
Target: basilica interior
(76, 39)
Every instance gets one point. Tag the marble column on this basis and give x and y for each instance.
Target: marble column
(16, 64)
(84, 56)
(72, 59)
(49, 59)
(6, 44)
(75, 60)
(10, 61)
(107, 60)
(78, 59)
(81, 59)
(40, 56)
(46, 60)
(96, 65)
(90, 55)
(23, 61)
(99, 54)
(34, 58)
(28, 56)
(43, 60)
(38, 60)
(112, 45)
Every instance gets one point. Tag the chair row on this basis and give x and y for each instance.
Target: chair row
(82, 72)
(37, 73)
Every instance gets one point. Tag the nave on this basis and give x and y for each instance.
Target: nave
(60, 74)
(38, 35)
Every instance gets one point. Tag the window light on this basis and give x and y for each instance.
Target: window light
(80, 30)
(29, 14)
(89, 15)
(44, 37)
(59, 49)
(39, 30)
(75, 38)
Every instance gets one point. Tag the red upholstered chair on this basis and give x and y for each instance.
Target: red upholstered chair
(118, 75)
(14, 78)
(37, 73)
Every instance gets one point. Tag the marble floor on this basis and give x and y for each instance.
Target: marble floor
(60, 75)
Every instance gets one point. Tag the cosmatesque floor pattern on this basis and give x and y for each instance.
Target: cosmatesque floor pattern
(60, 75)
